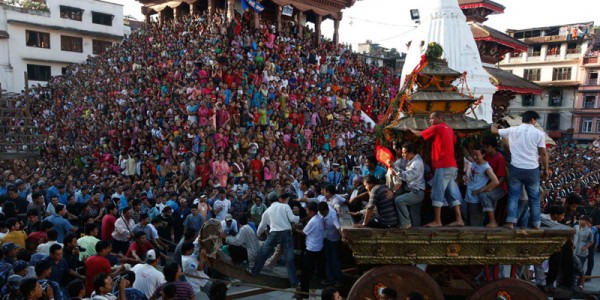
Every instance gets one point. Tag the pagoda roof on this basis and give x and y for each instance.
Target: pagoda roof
(457, 122)
(485, 33)
(506, 81)
(495, 7)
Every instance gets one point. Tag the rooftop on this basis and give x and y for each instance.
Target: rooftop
(507, 81)
(482, 32)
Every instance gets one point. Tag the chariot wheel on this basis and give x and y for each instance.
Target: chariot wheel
(509, 289)
(403, 279)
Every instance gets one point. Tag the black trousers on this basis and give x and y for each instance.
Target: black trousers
(238, 253)
(311, 261)
(119, 247)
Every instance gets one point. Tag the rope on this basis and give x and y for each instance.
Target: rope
(239, 282)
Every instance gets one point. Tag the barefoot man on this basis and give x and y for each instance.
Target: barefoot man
(446, 169)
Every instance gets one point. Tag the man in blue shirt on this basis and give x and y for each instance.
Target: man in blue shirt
(61, 225)
(375, 170)
(335, 176)
(52, 191)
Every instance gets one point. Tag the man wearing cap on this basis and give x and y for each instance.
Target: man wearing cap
(230, 226)
(278, 217)
(11, 290)
(9, 250)
(148, 278)
(334, 176)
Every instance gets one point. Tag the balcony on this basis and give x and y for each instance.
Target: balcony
(590, 60)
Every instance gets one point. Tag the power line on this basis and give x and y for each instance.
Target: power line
(377, 22)
(395, 36)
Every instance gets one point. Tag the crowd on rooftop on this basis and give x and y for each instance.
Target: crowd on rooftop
(195, 119)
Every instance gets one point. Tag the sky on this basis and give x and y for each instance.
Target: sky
(388, 22)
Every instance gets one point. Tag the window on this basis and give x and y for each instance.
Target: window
(517, 54)
(71, 43)
(528, 100)
(592, 78)
(561, 74)
(553, 50)
(534, 51)
(555, 98)
(586, 125)
(589, 101)
(597, 125)
(98, 46)
(37, 39)
(532, 74)
(573, 48)
(553, 123)
(38, 73)
(71, 13)
(63, 71)
(102, 19)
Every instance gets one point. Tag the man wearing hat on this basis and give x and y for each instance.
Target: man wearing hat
(9, 250)
(11, 290)
(230, 226)
(148, 278)
(335, 176)
(278, 217)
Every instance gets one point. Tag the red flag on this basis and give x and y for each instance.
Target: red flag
(383, 155)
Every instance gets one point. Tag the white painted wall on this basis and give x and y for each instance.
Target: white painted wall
(15, 55)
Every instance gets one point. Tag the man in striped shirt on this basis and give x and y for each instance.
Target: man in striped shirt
(380, 197)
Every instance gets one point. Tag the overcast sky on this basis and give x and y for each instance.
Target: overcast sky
(388, 21)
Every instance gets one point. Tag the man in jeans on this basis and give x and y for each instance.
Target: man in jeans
(278, 217)
(443, 161)
(527, 147)
(414, 183)
(332, 245)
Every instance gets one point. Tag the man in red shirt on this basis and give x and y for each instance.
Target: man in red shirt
(97, 264)
(108, 222)
(443, 161)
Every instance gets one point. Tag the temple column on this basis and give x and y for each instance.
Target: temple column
(279, 10)
(318, 30)
(256, 20)
(336, 35)
(161, 17)
(211, 9)
(147, 18)
(299, 24)
(192, 9)
(230, 10)
(176, 12)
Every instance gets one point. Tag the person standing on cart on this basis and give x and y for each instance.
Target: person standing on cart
(443, 183)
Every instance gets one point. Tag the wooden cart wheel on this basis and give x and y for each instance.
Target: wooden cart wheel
(510, 288)
(403, 279)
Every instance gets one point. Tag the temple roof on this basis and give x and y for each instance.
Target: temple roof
(485, 33)
(497, 8)
(506, 81)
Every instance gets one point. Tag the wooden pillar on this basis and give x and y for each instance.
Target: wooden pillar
(147, 18)
(256, 19)
(176, 12)
(299, 24)
(318, 30)
(211, 9)
(230, 10)
(192, 9)
(336, 34)
(279, 10)
(161, 17)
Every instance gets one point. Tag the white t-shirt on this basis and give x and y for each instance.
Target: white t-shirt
(190, 267)
(147, 278)
(225, 204)
(314, 233)
(524, 141)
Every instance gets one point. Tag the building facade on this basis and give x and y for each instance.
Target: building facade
(554, 61)
(586, 116)
(39, 42)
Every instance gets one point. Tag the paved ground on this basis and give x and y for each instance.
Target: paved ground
(592, 287)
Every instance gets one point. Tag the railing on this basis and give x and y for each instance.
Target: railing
(590, 60)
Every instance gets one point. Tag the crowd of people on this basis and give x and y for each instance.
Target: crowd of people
(198, 119)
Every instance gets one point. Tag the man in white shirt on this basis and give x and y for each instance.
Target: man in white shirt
(332, 245)
(244, 242)
(230, 226)
(527, 146)
(122, 233)
(313, 254)
(278, 217)
(147, 277)
(221, 206)
(193, 268)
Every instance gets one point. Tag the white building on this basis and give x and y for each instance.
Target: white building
(553, 61)
(43, 40)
